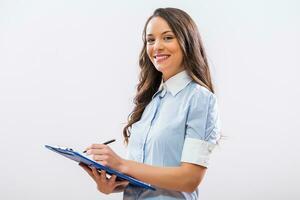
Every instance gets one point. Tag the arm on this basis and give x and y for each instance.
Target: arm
(185, 177)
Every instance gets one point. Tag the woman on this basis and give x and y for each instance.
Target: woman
(174, 125)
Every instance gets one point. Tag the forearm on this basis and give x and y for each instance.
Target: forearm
(181, 178)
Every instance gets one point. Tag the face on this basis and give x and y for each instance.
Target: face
(163, 48)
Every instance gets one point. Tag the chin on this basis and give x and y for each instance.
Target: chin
(161, 69)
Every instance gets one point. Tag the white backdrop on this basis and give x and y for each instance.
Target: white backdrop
(68, 72)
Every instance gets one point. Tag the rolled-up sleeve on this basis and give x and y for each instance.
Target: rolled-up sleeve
(202, 129)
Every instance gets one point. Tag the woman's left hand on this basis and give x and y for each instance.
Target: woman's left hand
(106, 156)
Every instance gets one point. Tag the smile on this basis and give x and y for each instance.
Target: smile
(161, 58)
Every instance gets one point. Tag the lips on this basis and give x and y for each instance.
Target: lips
(161, 57)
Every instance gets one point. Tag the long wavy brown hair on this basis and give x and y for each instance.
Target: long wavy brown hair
(194, 61)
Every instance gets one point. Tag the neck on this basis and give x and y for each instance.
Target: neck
(166, 76)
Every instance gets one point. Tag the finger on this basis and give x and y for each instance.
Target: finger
(103, 176)
(95, 173)
(104, 163)
(112, 180)
(96, 146)
(98, 151)
(86, 168)
(99, 157)
(92, 146)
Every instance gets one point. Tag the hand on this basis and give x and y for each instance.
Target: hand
(104, 184)
(106, 156)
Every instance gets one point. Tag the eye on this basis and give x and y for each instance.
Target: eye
(168, 38)
(150, 40)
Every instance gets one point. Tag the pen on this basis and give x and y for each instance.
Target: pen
(107, 142)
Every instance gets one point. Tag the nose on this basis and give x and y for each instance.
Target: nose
(158, 45)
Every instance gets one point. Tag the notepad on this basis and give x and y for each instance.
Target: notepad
(80, 158)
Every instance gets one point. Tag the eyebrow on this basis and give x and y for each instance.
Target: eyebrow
(161, 33)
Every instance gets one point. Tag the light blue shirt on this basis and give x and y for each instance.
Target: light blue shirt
(180, 124)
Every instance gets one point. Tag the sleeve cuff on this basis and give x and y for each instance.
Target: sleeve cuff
(196, 151)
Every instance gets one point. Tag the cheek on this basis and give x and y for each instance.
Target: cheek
(180, 56)
(148, 51)
(177, 52)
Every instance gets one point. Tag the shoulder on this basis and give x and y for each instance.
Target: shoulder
(200, 94)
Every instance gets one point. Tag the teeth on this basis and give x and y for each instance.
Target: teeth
(161, 57)
(164, 56)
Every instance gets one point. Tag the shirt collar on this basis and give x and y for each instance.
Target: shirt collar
(174, 84)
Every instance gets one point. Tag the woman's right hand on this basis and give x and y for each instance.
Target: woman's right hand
(104, 184)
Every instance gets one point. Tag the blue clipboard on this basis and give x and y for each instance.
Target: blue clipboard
(73, 155)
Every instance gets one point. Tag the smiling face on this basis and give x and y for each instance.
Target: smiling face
(163, 48)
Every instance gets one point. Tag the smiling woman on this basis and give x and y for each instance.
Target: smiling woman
(163, 48)
(173, 127)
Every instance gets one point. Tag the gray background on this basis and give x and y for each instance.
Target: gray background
(68, 71)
